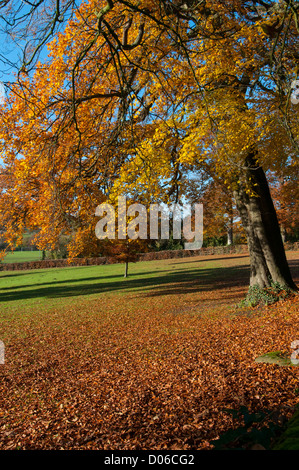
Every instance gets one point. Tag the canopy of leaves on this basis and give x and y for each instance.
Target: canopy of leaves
(134, 95)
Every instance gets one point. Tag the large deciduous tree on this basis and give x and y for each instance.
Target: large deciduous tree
(135, 95)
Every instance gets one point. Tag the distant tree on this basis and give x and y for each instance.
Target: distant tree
(221, 219)
(285, 193)
(122, 251)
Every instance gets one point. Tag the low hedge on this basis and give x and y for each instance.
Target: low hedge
(157, 255)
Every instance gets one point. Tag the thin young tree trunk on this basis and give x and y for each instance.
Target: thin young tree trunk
(283, 233)
(126, 269)
(230, 227)
(230, 236)
(267, 255)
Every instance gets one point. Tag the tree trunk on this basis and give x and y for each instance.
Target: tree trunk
(230, 237)
(268, 261)
(283, 233)
(126, 269)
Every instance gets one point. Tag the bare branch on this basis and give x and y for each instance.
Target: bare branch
(125, 45)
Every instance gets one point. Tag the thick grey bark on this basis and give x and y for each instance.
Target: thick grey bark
(259, 272)
(267, 254)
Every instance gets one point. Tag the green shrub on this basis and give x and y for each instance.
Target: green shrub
(266, 296)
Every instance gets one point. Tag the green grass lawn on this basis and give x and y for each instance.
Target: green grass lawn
(175, 277)
(22, 256)
(64, 285)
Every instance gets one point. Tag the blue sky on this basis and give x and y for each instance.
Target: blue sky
(21, 16)
(10, 53)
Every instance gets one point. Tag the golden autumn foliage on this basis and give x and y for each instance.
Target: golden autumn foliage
(285, 194)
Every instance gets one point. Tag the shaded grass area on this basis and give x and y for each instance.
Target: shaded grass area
(96, 361)
(154, 277)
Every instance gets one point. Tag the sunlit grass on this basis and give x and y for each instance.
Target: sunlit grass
(54, 286)
(22, 256)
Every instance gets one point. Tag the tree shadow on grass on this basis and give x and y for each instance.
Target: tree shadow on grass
(210, 258)
(217, 279)
(172, 283)
(71, 281)
(176, 282)
(294, 266)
